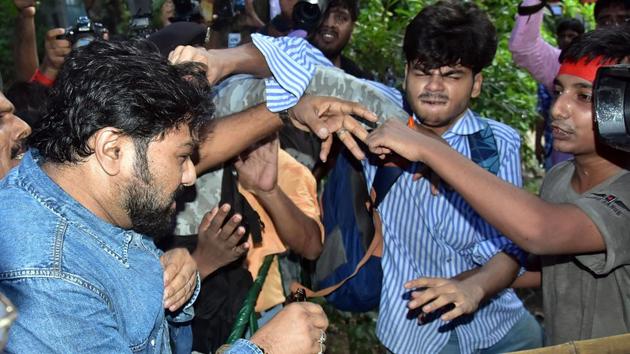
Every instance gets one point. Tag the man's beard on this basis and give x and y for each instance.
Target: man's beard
(150, 214)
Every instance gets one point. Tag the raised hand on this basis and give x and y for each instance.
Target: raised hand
(258, 167)
(217, 245)
(327, 115)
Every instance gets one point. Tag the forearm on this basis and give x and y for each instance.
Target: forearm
(522, 217)
(25, 51)
(230, 135)
(494, 276)
(529, 279)
(244, 59)
(298, 232)
(530, 51)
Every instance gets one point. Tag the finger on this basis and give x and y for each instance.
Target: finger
(421, 298)
(352, 145)
(314, 123)
(228, 229)
(240, 250)
(207, 219)
(356, 128)
(235, 237)
(215, 225)
(325, 148)
(53, 33)
(175, 290)
(425, 282)
(353, 108)
(439, 302)
(452, 314)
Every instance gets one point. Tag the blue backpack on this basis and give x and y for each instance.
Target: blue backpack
(349, 270)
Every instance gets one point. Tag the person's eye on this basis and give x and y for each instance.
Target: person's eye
(585, 97)
(557, 91)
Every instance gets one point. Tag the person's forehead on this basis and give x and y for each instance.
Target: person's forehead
(567, 80)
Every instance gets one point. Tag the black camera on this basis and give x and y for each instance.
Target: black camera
(308, 13)
(83, 32)
(611, 105)
(187, 11)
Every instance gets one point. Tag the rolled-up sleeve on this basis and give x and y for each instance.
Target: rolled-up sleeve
(292, 63)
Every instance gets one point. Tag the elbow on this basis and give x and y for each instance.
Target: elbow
(536, 239)
(313, 245)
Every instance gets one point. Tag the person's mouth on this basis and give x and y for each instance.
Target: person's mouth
(18, 150)
(328, 35)
(434, 100)
(561, 131)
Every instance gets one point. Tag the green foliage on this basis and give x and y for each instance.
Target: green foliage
(7, 22)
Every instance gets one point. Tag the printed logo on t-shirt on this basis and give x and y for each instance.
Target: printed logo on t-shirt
(612, 201)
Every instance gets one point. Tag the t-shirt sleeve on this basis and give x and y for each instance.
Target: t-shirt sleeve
(609, 209)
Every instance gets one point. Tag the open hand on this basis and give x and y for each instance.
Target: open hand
(180, 277)
(327, 115)
(217, 245)
(258, 167)
(439, 292)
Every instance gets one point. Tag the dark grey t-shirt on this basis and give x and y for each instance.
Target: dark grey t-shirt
(588, 295)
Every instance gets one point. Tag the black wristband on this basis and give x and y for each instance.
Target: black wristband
(532, 9)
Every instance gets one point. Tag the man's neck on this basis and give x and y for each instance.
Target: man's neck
(336, 61)
(591, 170)
(80, 184)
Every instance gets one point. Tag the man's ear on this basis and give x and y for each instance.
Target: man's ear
(109, 146)
(476, 89)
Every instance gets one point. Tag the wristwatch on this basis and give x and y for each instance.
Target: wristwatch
(532, 9)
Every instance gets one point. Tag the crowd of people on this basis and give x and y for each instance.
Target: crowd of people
(147, 181)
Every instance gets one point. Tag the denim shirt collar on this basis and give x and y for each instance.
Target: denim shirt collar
(113, 240)
(468, 123)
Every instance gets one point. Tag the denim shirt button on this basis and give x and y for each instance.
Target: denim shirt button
(152, 342)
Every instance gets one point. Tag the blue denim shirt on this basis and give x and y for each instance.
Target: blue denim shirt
(80, 284)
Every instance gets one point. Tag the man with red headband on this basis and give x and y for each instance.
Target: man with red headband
(580, 224)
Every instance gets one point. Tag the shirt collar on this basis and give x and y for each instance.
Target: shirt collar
(112, 239)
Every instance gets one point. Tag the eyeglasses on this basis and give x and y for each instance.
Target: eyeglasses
(8, 314)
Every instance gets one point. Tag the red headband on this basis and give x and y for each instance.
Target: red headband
(582, 69)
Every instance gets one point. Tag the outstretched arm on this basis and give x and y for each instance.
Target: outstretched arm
(530, 51)
(25, 51)
(532, 223)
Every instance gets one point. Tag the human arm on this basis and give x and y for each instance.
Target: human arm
(522, 217)
(56, 52)
(529, 279)
(53, 308)
(258, 173)
(465, 291)
(228, 136)
(530, 51)
(25, 50)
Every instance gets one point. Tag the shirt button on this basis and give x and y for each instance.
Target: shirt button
(153, 342)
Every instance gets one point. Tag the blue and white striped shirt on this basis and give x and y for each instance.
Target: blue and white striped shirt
(292, 62)
(424, 235)
(442, 236)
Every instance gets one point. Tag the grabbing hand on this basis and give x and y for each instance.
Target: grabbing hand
(327, 115)
(56, 52)
(299, 328)
(180, 278)
(216, 66)
(258, 168)
(218, 246)
(440, 292)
